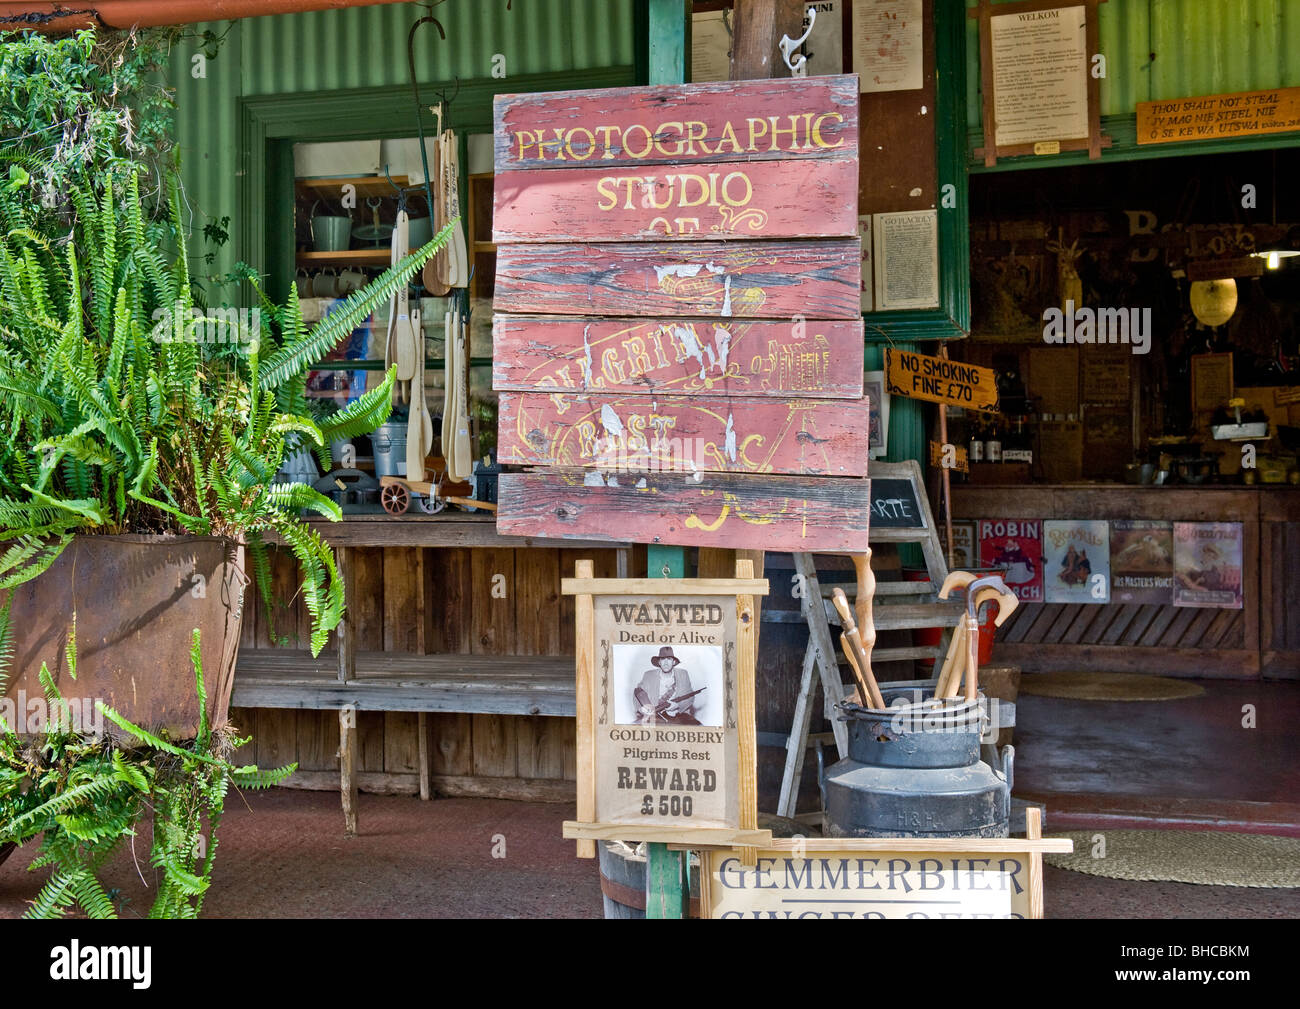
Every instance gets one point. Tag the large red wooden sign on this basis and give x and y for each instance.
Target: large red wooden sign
(678, 338)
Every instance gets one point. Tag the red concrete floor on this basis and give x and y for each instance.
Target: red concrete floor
(1096, 764)
(1187, 762)
(283, 856)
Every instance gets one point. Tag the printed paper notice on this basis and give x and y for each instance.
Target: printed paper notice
(887, 44)
(710, 47)
(906, 252)
(1040, 76)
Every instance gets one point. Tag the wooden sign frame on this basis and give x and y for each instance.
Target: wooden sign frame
(940, 380)
(1093, 143)
(658, 615)
(892, 865)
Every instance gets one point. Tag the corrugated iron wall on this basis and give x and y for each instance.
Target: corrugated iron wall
(1178, 48)
(360, 48)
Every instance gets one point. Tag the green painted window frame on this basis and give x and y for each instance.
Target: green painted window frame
(269, 126)
(951, 320)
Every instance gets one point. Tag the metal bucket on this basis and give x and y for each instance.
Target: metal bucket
(137, 601)
(914, 770)
(389, 441)
(331, 234)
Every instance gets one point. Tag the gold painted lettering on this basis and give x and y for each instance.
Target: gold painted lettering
(629, 181)
(729, 136)
(606, 133)
(531, 142)
(627, 135)
(793, 131)
(648, 189)
(681, 143)
(817, 130)
(637, 356)
(604, 186)
(756, 133)
(610, 367)
(726, 189)
(591, 143)
(696, 136)
(682, 201)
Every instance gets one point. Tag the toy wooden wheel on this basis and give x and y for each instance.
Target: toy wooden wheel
(395, 498)
(430, 504)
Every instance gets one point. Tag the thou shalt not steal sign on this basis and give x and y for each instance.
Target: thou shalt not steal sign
(677, 292)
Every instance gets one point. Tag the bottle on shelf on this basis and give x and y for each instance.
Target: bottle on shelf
(993, 444)
(975, 451)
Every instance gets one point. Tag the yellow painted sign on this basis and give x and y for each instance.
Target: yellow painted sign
(939, 380)
(949, 457)
(1219, 117)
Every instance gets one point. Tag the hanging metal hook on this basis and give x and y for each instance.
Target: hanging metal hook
(789, 45)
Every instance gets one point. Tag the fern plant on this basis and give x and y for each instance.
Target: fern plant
(85, 797)
(125, 409)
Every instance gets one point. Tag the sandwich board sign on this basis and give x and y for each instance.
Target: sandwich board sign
(677, 294)
(665, 708)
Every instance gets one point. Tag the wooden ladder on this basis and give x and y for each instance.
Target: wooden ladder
(919, 606)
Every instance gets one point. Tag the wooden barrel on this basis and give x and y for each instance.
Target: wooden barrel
(622, 882)
(622, 871)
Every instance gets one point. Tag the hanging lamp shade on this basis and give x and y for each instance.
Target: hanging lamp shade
(1214, 301)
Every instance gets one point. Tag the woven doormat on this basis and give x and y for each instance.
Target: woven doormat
(1108, 686)
(1208, 857)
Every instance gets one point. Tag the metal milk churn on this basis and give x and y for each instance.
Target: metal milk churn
(914, 770)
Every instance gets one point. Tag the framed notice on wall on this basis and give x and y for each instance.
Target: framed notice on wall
(1041, 89)
(665, 708)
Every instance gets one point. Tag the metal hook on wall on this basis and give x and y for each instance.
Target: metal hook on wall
(789, 45)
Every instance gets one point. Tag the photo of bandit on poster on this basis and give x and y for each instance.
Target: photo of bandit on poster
(672, 685)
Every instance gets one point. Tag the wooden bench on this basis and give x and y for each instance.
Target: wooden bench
(348, 680)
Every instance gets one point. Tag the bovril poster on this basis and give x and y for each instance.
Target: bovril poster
(1015, 546)
(1076, 561)
(667, 745)
(1207, 564)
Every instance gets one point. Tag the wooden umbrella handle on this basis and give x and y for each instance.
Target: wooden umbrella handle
(862, 650)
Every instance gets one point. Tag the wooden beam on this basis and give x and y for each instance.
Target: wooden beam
(348, 766)
(757, 27)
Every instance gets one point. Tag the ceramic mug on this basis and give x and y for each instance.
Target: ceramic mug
(302, 281)
(349, 281)
(326, 284)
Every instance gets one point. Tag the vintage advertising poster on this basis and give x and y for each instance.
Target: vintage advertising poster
(1015, 546)
(665, 710)
(1076, 561)
(1207, 564)
(1141, 561)
(873, 387)
(906, 253)
(961, 553)
(1040, 75)
(887, 44)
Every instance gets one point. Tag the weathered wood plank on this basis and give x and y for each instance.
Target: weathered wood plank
(678, 124)
(632, 433)
(368, 605)
(721, 280)
(408, 614)
(370, 738)
(493, 587)
(719, 510)
(318, 741)
(732, 200)
(453, 751)
(819, 359)
(495, 746)
(401, 741)
(277, 738)
(451, 579)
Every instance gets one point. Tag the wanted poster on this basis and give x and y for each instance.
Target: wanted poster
(667, 745)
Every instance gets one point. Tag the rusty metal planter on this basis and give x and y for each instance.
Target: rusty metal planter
(137, 601)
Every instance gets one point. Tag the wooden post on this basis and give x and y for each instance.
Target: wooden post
(746, 654)
(348, 761)
(757, 27)
(422, 722)
(669, 63)
(1033, 831)
(585, 637)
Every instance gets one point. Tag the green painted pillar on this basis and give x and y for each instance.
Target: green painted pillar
(907, 433)
(666, 60)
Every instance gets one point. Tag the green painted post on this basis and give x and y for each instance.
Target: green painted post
(668, 47)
